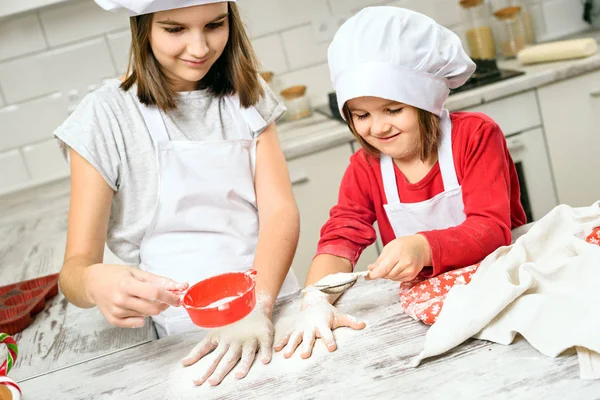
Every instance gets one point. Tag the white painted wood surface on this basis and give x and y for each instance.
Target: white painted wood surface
(32, 243)
(371, 363)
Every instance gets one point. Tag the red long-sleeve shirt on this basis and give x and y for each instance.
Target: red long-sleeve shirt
(491, 198)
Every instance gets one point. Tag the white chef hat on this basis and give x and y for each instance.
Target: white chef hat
(397, 54)
(139, 7)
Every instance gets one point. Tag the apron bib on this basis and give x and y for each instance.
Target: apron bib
(442, 211)
(206, 219)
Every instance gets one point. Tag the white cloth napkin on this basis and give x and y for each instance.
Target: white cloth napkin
(545, 287)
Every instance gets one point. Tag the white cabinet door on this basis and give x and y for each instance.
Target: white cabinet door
(316, 180)
(570, 111)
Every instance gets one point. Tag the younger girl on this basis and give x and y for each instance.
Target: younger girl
(174, 167)
(442, 187)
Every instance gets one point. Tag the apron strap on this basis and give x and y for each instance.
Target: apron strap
(389, 179)
(445, 157)
(245, 118)
(155, 123)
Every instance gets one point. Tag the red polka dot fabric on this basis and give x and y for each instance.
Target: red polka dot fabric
(423, 299)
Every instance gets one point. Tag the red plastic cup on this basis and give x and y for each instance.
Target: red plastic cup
(222, 299)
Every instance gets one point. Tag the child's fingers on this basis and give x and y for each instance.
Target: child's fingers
(349, 321)
(200, 350)
(384, 268)
(293, 343)
(326, 335)
(281, 343)
(308, 342)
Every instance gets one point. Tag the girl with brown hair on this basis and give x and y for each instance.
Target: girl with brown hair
(441, 186)
(173, 167)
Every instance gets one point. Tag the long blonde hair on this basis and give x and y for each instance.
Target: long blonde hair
(235, 71)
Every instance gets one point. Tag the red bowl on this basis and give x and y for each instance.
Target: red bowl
(222, 299)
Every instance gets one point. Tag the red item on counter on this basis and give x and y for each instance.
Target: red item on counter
(19, 302)
(221, 299)
(423, 299)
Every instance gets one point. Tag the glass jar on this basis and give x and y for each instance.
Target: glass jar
(525, 16)
(296, 102)
(480, 38)
(512, 31)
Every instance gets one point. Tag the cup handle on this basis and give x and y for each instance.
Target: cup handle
(251, 272)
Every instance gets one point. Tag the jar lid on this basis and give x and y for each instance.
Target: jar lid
(470, 3)
(293, 92)
(507, 12)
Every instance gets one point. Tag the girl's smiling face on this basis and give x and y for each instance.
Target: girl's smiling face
(389, 126)
(187, 41)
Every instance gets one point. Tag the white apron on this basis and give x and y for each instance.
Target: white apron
(206, 218)
(443, 211)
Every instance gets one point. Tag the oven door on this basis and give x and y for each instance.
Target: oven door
(528, 151)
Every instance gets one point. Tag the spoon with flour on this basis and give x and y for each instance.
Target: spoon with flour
(336, 283)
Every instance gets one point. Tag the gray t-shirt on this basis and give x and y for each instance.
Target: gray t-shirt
(108, 130)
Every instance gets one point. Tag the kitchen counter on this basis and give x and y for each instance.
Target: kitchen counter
(33, 231)
(318, 133)
(371, 363)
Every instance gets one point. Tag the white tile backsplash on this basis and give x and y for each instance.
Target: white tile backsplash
(119, 47)
(447, 12)
(44, 161)
(58, 69)
(75, 44)
(269, 50)
(563, 17)
(20, 35)
(32, 121)
(91, 21)
(13, 171)
(268, 16)
(302, 49)
(537, 21)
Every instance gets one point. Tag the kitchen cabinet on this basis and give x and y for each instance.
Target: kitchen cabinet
(519, 118)
(513, 114)
(570, 110)
(316, 180)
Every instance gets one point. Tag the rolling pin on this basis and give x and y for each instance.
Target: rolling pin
(555, 51)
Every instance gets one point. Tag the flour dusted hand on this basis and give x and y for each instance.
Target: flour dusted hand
(234, 343)
(318, 319)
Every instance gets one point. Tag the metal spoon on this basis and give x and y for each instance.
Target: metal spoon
(345, 283)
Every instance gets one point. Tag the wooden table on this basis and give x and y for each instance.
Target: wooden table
(69, 353)
(371, 363)
(32, 244)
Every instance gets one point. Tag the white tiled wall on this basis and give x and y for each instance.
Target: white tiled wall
(46, 53)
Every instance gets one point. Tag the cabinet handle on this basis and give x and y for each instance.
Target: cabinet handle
(515, 144)
(595, 93)
(299, 179)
